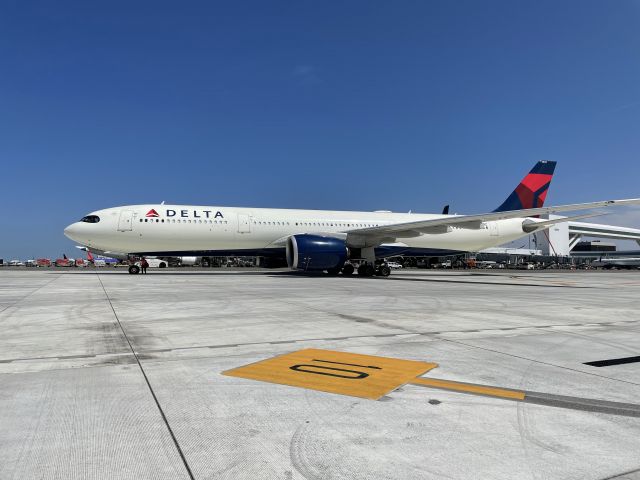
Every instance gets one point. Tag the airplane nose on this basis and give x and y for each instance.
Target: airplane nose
(70, 231)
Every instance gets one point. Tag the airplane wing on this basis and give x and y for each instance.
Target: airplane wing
(439, 225)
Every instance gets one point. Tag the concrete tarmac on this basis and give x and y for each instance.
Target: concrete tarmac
(109, 375)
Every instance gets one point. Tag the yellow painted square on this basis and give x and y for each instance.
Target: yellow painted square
(353, 374)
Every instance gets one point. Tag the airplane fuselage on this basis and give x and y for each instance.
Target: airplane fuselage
(184, 229)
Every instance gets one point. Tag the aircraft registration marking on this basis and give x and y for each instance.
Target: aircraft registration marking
(364, 376)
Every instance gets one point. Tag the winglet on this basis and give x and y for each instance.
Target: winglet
(532, 190)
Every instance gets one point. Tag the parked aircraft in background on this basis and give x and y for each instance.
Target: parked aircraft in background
(64, 261)
(320, 240)
(623, 262)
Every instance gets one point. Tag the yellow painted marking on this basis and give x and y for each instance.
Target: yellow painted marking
(469, 388)
(364, 376)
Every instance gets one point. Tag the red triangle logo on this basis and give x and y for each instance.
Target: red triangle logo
(152, 213)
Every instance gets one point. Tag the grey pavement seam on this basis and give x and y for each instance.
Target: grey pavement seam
(30, 293)
(146, 379)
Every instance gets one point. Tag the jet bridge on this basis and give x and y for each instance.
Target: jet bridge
(561, 238)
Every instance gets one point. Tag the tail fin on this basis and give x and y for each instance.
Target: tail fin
(89, 256)
(532, 189)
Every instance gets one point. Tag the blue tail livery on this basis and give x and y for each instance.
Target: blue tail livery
(532, 189)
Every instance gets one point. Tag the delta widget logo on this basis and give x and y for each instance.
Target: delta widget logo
(152, 214)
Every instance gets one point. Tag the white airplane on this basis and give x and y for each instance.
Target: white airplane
(319, 240)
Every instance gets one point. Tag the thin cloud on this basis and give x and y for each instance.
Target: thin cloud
(307, 74)
(626, 106)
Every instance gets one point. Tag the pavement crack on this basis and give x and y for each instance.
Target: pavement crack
(623, 475)
(540, 362)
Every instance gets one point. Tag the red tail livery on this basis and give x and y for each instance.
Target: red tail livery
(532, 189)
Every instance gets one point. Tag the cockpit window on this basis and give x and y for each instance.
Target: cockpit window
(90, 219)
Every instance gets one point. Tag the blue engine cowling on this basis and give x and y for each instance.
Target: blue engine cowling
(315, 252)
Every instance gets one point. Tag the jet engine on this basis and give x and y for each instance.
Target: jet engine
(315, 253)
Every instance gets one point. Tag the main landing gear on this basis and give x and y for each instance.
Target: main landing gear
(383, 270)
(366, 269)
(348, 270)
(367, 265)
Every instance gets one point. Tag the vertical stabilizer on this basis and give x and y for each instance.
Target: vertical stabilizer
(532, 189)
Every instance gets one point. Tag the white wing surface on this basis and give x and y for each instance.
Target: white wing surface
(413, 229)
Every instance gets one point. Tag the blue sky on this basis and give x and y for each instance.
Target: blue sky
(307, 104)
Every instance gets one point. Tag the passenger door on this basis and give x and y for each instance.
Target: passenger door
(125, 222)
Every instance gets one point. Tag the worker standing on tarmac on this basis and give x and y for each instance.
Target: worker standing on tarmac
(144, 265)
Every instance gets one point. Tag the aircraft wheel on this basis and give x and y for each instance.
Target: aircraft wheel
(348, 270)
(366, 270)
(333, 271)
(384, 271)
(134, 269)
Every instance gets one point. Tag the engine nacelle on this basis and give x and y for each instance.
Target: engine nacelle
(315, 252)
